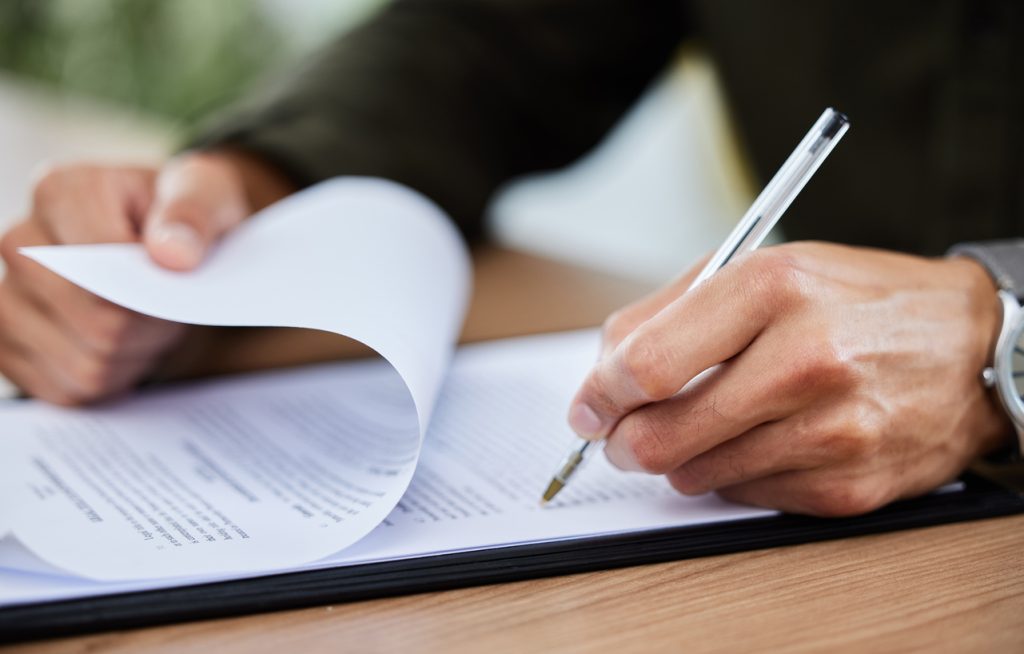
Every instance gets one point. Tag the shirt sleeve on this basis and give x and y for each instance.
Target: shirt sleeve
(454, 97)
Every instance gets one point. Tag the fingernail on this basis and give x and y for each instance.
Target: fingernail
(585, 421)
(621, 457)
(180, 244)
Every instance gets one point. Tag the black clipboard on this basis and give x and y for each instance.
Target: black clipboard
(978, 499)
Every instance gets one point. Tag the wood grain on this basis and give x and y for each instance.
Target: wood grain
(952, 588)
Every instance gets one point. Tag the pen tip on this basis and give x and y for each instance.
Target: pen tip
(553, 488)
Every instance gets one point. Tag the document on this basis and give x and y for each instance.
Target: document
(361, 257)
(242, 476)
(497, 430)
(416, 454)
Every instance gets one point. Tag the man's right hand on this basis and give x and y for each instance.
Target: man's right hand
(62, 344)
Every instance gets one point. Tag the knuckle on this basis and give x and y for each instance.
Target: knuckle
(108, 331)
(858, 438)
(841, 498)
(596, 393)
(9, 244)
(92, 376)
(686, 484)
(615, 326)
(11, 316)
(846, 444)
(48, 181)
(60, 397)
(823, 363)
(648, 368)
(692, 478)
(778, 273)
(646, 438)
(710, 471)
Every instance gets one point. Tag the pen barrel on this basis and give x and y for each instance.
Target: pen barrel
(576, 458)
(776, 197)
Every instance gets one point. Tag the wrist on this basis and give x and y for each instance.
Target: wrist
(984, 307)
(994, 430)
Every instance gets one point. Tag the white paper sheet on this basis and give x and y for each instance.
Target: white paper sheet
(251, 475)
(498, 430)
(9, 481)
(197, 482)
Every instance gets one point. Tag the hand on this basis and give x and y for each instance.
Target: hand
(808, 377)
(62, 344)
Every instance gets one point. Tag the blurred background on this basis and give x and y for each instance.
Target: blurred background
(122, 80)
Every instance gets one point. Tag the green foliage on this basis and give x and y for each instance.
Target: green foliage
(178, 58)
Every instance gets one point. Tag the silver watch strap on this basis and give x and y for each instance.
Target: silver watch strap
(1004, 260)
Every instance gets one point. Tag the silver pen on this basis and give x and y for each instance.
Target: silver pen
(751, 231)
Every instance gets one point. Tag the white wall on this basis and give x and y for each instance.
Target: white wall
(665, 186)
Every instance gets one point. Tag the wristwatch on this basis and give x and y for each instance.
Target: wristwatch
(1004, 261)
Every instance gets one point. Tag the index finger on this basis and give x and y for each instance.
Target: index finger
(621, 324)
(91, 204)
(702, 328)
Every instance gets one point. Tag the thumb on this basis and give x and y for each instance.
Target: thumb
(199, 197)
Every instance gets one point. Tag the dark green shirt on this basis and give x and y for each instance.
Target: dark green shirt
(455, 97)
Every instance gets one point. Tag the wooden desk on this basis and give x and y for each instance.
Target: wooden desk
(951, 588)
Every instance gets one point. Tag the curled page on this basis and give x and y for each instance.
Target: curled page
(173, 485)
